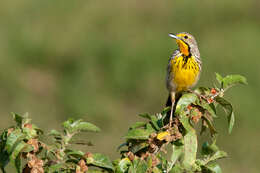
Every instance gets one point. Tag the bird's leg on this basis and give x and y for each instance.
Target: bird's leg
(173, 102)
(171, 115)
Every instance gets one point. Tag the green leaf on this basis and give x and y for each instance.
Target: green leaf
(218, 155)
(181, 109)
(149, 161)
(125, 144)
(100, 160)
(209, 122)
(138, 146)
(154, 122)
(163, 161)
(184, 101)
(149, 127)
(211, 153)
(55, 168)
(202, 91)
(212, 110)
(15, 156)
(95, 171)
(17, 164)
(190, 141)
(38, 130)
(85, 126)
(212, 168)
(209, 149)
(219, 79)
(229, 111)
(138, 125)
(152, 118)
(185, 121)
(27, 148)
(177, 151)
(209, 107)
(16, 151)
(232, 80)
(204, 126)
(4, 159)
(73, 126)
(156, 170)
(123, 165)
(26, 119)
(72, 161)
(138, 134)
(177, 169)
(54, 133)
(145, 115)
(165, 111)
(18, 119)
(30, 133)
(190, 149)
(231, 121)
(74, 153)
(141, 166)
(12, 138)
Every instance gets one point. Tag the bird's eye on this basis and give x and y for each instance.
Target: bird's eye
(186, 37)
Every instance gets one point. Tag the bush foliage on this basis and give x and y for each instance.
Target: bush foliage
(150, 146)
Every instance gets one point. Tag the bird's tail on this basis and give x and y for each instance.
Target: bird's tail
(169, 101)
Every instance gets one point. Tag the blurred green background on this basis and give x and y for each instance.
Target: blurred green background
(105, 62)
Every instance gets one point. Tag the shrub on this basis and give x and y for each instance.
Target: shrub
(147, 144)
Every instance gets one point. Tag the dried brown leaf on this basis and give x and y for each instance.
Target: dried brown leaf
(34, 143)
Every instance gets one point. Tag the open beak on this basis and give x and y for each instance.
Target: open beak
(174, 36)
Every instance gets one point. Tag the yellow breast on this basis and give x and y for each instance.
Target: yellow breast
(185, 73)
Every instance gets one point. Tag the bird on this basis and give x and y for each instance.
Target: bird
(184, 67)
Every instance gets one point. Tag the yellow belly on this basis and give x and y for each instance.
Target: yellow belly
(185, 74)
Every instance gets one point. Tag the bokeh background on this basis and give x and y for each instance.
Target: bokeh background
(105, 62)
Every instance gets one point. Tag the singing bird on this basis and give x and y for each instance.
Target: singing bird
(184, 67)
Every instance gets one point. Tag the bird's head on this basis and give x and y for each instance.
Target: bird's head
(186, 42)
